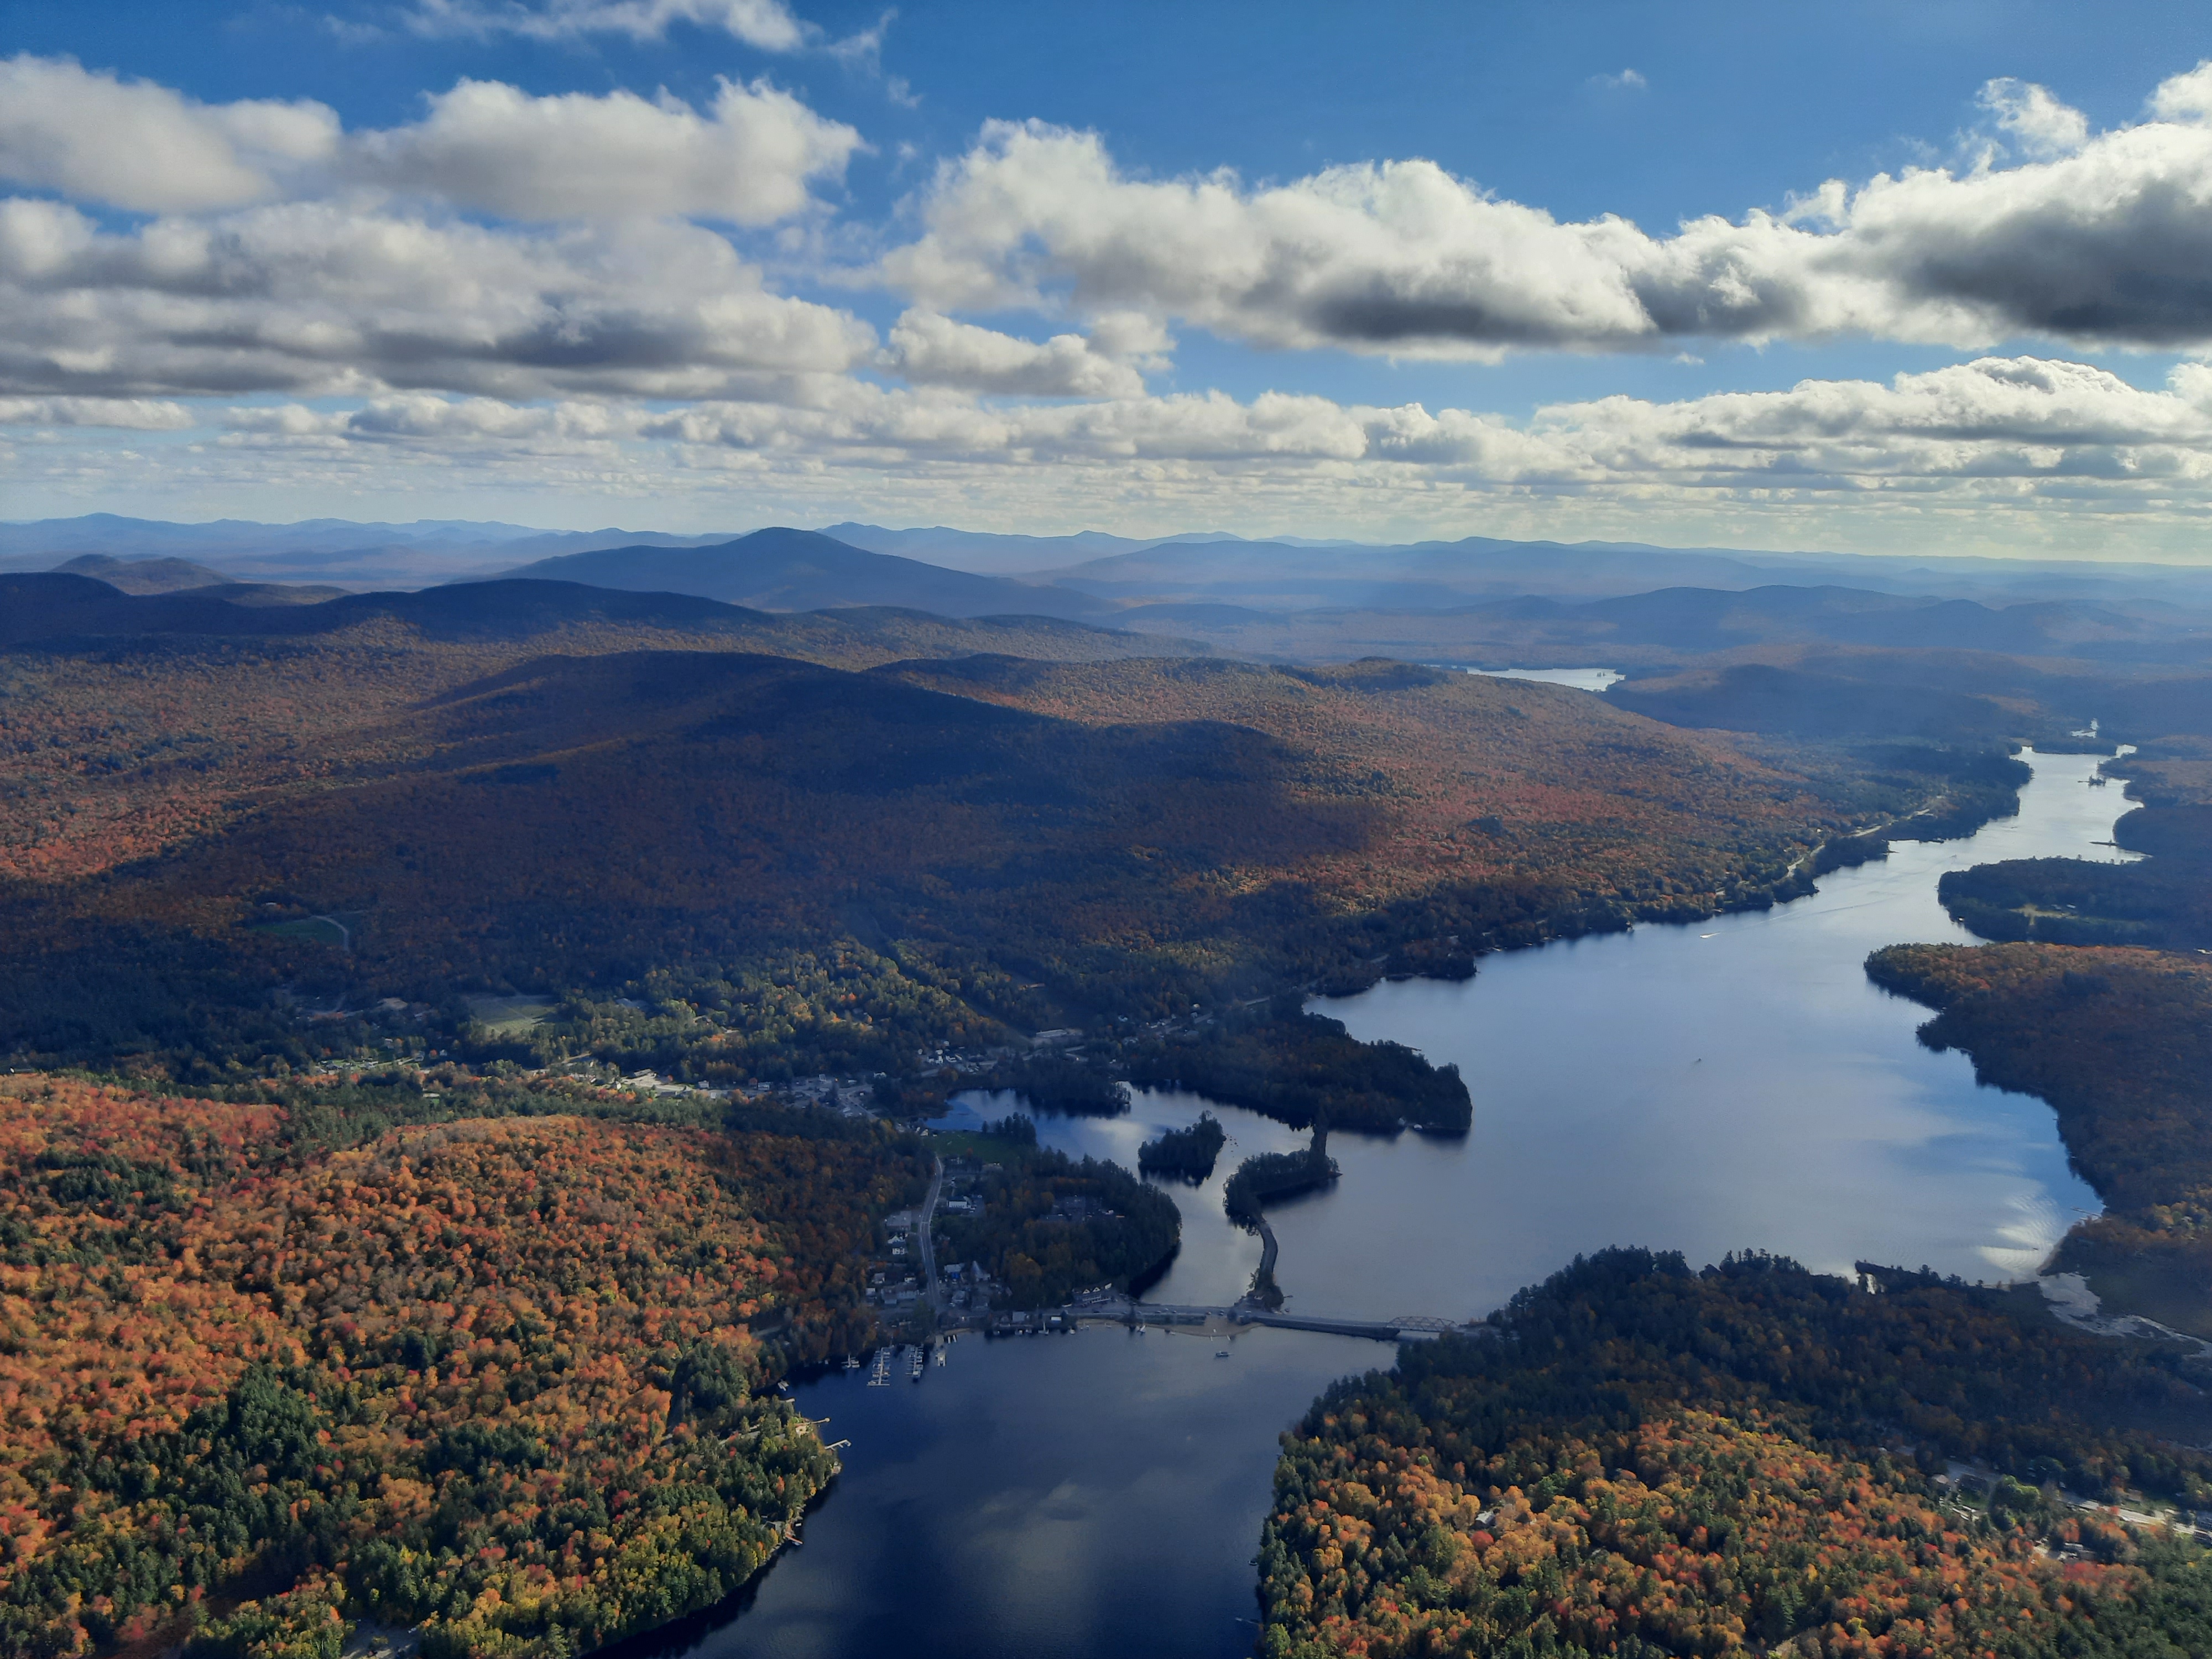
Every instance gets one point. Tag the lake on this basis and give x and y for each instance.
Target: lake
(1730, 1084)
(1577, 679)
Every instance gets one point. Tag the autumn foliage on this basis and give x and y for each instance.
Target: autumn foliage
(500, 1375)
(828, 869)
(1693, 1533)
(1638, 1460)
(117, 749)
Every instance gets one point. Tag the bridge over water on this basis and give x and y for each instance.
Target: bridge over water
(1399, 1327)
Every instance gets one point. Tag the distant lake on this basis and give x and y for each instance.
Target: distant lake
(1717, 1085)
(1579, 679)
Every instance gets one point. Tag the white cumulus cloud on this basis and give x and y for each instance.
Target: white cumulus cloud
(2036, 420)
(2105, 239)
(751, 158)
(2043, 125)
(2185, 97)
(513, 289)
(92, 135)
(122, 414)
(2002, 455)
(316, 297)
(929, 349)
(767, 25)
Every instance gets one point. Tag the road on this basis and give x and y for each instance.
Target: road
(928, 1244)
(1266, 1255)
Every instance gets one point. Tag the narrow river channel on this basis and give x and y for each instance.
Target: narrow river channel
(1735, 1083)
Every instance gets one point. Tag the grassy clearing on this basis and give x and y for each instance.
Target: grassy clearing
(987, 1149)
(501, 1017)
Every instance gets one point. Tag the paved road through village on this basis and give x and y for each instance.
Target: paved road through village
(928, 1244)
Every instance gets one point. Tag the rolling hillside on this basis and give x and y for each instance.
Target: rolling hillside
(129, 724)
(818, 863)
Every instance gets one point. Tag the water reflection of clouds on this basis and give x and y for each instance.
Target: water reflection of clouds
(2027, 1240)
(1073, 1496)
(1030, 1554)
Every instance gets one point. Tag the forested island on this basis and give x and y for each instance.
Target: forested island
(1270, 1177)
(1186, 1154)
(1305, 1069)
(1634, 1458)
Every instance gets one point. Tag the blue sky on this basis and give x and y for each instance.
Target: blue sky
(277, 260)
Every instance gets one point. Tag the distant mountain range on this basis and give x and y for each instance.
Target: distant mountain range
(1091, 573)
(1827, 661)
(774, 577)
(337, 551)
(991, 554)
(52, 607)
(54, 604)
(782, 569)
(1431, 576)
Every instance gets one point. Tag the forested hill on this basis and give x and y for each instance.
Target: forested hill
(780, 569)
(61, 607)
(129, 724)
(2163, 900)
(1640, 1460)
(793, 866)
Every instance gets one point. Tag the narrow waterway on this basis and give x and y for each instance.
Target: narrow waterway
(1730, 1084)
(1706, 1087)
(1092, 1497)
